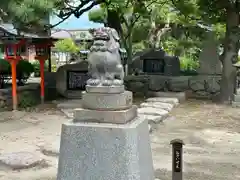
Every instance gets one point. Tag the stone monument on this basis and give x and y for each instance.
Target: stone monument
(71, 79)
(106, 139)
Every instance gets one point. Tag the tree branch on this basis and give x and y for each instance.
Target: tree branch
(77, 11)
(186, 15)
(137, 16)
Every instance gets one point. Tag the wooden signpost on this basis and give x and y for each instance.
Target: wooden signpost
(177, 159)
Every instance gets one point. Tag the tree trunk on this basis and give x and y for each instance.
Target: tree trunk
(129, 55)
(229, 57)
(114, 21)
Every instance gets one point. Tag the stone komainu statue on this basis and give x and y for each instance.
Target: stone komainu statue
(104, 59)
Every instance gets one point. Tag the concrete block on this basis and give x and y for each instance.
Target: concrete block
(106, 101)
(92, 151)
(118, 117)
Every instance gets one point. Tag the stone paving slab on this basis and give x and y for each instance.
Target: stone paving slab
(173, 101)
(152, 118)
(153, 111)
(152, 121)
(165, 106)
(50, 149)
(21, 160)
(181, 96)
(68, 112)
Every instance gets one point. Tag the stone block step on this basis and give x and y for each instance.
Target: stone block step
(173, 101)
(165, 106)
(153, 111)
(68, 112)
(181, 96)
(151, 118)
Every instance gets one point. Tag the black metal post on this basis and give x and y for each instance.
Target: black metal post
(177, 159)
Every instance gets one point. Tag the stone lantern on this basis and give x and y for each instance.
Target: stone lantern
(13, 56)
(42, 55)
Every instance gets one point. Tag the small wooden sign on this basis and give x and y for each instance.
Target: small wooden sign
(177, 160)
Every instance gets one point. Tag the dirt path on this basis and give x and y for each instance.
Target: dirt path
(211, 134)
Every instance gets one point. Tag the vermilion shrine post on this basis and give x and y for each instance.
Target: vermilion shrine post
(42, 55)
(13, 55)
(14, 40)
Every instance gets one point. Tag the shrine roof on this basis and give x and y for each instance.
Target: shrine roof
(8, 30)
(77, 34)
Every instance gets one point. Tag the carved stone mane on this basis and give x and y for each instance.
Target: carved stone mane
(104, 59)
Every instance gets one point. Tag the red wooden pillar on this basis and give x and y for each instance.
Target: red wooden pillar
(42, 62)
(14, 84)
(12, 55)
(42, 55)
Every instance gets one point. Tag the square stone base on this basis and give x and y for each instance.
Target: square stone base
(116, 117)
(92, 151)
(107, 101)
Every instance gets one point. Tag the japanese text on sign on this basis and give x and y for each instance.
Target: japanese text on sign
(76, 80)
(177, 160)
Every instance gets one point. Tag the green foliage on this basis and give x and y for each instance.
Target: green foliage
(25, 67)
(28, 14)
(188, 64)
(54, 68)
(27, 99)
(5, 67)
(138, 47)
(219, 30)
(97, 15)
(36, 66)
(67, 46)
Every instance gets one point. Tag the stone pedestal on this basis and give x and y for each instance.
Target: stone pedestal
(106, 139)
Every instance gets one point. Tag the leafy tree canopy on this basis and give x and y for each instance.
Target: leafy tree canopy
(27, 14)
(67, 46)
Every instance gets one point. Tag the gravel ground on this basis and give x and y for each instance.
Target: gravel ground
(210, 132)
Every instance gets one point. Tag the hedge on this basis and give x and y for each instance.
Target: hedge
(24, 70)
